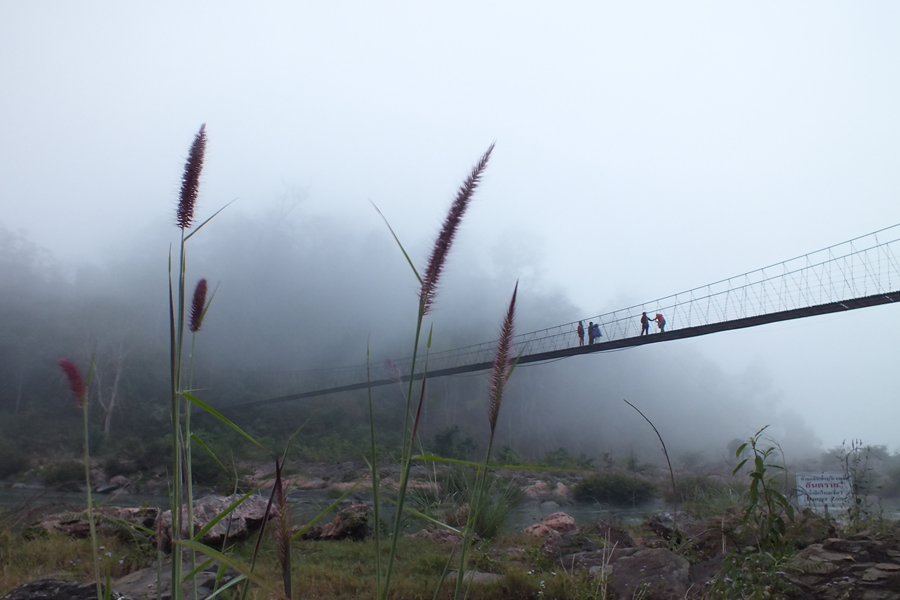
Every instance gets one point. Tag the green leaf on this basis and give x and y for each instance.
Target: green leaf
(740, 450)
(396, 239)
(740, 464)
(200, 226)
(196, 570)
(234, 581)
(205, 447)
(231, 562)
(318, 517)
(193, 399)
(212, 522)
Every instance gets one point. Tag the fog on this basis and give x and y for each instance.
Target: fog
(296, 291)
(642, 150)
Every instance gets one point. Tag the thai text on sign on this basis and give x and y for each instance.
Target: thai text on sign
(823, 489)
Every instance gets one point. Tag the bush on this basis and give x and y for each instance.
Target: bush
(13, 461)
(615, 488)
(447, 446)
(67, 472)
(560, 458)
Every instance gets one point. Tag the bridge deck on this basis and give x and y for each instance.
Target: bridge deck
(628, 342)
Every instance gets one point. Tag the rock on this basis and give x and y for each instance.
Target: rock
(652, 573)
(439, 536)
(141, 585)
(539, 491)
(866, 566)
(351, 522)
(311, 484)
(549, 505)
(238, 524)
(552, 526)
(613, 535)
(563, 494)
(474, 577)
(596, 559)
(57, 589)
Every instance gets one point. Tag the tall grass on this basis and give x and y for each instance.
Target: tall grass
(79, 391)
(503, 368)
(427, 295)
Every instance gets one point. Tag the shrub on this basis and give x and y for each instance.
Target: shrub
(561, 459)
(13, 461)
(615, 488)
(66, 472)
(447, 446)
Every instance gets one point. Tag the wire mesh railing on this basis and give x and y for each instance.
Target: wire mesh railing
(861, 267)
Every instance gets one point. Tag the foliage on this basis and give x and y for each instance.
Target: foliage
(508, 456)
(560, 458)
(705, 495)
(863, 512)
(13, 460)
(27, 559)
(614, 488)
(64, 472)
(752, 576)
(446, 444)
(766, 507)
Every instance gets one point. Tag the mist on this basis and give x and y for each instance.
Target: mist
(297, 291)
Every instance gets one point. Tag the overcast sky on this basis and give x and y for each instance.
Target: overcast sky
(642, 149)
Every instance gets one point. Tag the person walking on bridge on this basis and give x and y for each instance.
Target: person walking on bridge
(580, 331)
(660, 322)
(645, 324)
(590, 333)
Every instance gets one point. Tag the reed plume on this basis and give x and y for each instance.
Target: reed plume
(448, 232)
(502, 362)
(197, 306)
(190, 180)
(76, 381)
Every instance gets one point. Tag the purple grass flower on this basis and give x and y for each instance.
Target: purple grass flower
(190, 181)
(448, 232)
(197, 306)
(502, 362)
(76, 381)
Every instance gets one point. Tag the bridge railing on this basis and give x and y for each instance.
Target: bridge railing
(861, 267)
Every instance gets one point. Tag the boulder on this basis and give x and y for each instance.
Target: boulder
(651, 573)
(553, 526)
(351, 522)
(141, 585)
(238, 524)
(109, 520)
(865, 566)
(475, 577)
(563, 493)
(57, 589)
(539, 491)
(612, 535)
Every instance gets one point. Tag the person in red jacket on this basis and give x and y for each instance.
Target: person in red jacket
(660, 322)
(580, 331)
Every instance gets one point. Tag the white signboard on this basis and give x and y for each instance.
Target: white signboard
(816, 490)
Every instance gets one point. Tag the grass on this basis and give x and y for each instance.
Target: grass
(55, 555)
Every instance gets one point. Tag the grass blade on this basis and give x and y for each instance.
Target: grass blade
(194, 400)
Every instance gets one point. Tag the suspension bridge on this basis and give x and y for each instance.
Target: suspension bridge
(858, 273)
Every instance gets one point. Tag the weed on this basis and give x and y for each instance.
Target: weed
(863, 512)
(766, 507)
